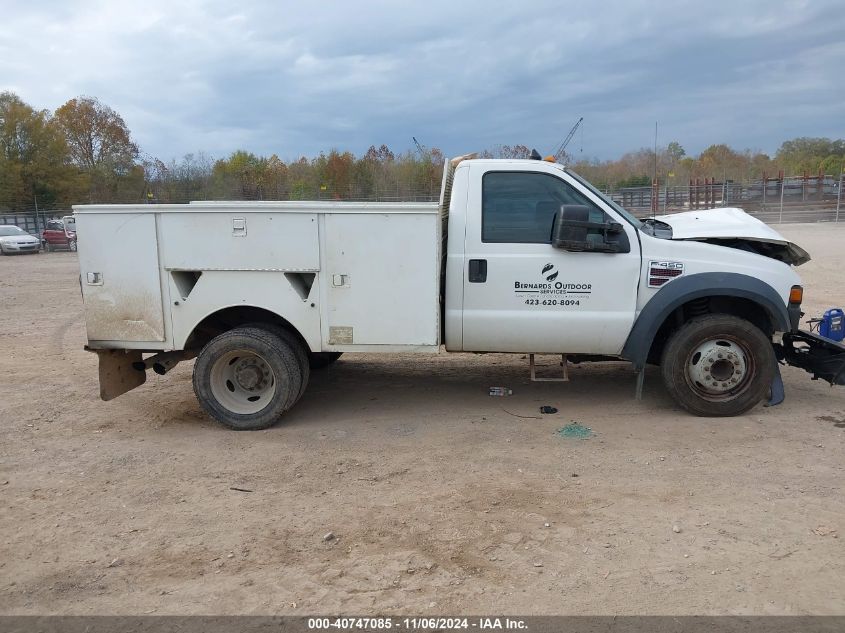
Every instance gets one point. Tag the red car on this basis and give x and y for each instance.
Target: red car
(60, 234)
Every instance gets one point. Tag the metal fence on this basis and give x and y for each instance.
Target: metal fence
(32, 221)
(786, 199)
(781, 199)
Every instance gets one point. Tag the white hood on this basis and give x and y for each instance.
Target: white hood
(731, 225)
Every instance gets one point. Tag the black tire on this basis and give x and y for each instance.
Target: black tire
(299, 350)
(718, 365)
(318, 360)
(71, 246)
(242, 361)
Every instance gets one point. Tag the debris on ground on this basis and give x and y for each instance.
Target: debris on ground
(328, 536)
(823, 530)
(676, 529)
(575, 431)
(547, 409)
(524, 417)
(501, 391)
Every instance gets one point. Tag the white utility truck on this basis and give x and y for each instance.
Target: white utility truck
(519, 256)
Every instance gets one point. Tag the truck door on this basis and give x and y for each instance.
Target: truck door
(521, 294)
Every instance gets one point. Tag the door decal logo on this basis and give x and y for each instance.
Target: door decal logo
(548, 291)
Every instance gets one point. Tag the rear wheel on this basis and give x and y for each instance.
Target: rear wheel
(247, 378)
(318, 360)
(718, 365)
(298, 349)
(72, 246)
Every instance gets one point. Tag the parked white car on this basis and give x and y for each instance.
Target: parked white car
(14, 239)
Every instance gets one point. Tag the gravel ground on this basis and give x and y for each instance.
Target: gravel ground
(440, 499)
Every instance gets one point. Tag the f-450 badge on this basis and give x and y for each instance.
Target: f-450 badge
(659, 272)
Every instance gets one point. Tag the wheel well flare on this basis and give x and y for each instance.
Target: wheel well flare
(235, 316)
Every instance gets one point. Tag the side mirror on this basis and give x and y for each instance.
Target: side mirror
(573, 231)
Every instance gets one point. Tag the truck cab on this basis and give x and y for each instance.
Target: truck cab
(549, 264)
(511, 286)
(519, 256)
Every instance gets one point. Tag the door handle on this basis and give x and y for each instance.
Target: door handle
(477, 271)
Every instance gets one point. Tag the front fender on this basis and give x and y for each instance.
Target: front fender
(687, 288)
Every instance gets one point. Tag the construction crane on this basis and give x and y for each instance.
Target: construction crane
(420, 148)
(562, 147)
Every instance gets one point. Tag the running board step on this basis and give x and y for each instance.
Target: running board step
(563, 363)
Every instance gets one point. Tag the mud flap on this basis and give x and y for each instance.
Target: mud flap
(117, 376)
(778, 394)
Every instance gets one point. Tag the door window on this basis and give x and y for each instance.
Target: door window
(519, 207)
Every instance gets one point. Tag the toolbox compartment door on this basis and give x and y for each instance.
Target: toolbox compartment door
(121, 288)
(381, 280)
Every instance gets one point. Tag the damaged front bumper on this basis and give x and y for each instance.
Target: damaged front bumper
(815, 354)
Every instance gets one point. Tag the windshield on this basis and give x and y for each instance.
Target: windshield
(618, 208)
(6, 231)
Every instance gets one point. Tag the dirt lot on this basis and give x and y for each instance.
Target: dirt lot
(442, 499)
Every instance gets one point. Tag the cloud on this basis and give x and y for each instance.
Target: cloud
(291, 79)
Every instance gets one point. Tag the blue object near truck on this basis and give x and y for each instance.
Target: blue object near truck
(832, 324)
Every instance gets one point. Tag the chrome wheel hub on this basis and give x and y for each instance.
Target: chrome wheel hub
(717, 367)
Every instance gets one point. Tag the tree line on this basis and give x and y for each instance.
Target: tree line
(795, 157)
(84, 153)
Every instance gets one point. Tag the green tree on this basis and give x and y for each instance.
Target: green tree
(273, 179)
(806, 154)
(720, 161)
(100, 144)
(337, 174)
(96, 135)
(33, 158)
(675, 152)
(238, 177)
(832, 165)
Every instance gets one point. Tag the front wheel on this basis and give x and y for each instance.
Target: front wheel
(718, 365)
(247, 378)
(72, 246)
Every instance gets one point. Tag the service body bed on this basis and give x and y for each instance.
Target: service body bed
(347, 276)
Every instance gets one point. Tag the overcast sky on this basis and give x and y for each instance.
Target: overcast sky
(296, 78)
